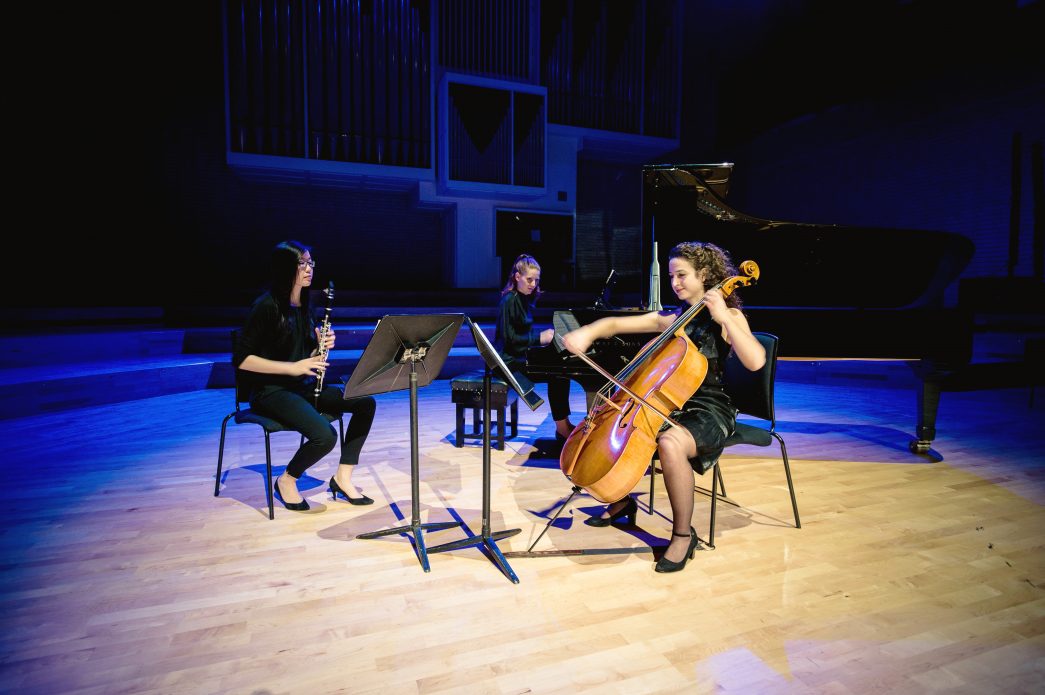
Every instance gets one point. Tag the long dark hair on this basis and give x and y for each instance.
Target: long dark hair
(714, 261)
(283, 271)
(283, 268)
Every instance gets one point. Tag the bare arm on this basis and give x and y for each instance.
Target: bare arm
(310, 366)
(736, 332)
(580, 340)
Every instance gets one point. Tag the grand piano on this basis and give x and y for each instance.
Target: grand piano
(828, 291)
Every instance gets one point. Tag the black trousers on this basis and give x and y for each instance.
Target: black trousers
(558, 394)
(294, 410)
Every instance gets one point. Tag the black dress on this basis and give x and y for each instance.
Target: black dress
(709, 414)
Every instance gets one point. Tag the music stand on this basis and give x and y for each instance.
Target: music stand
(524, 388)
(402, 345)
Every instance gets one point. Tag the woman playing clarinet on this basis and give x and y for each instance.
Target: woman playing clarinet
(280, 352)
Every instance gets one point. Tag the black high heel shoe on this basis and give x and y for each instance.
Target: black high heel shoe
(336, 489)
(301, 506)
(666, 565)
(631, 508)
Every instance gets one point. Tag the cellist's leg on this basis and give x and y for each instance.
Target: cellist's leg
(676, 448)
(615, 507)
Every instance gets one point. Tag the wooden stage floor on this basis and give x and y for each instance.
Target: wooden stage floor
(122, 573)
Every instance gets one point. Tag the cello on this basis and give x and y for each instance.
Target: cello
(609, 451)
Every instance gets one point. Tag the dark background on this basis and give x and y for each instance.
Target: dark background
(119, 147)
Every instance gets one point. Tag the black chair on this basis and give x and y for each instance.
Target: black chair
(752, 394)
(247, 416)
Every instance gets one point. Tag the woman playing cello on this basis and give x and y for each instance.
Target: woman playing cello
(708, 417)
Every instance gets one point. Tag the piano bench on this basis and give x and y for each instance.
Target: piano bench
(466, 391)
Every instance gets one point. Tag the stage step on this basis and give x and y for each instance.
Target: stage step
(71, 367)
(44, 389)
(35, 390)
(41, 373)
(81, 345)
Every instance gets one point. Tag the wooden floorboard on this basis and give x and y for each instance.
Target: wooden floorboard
(122, 573)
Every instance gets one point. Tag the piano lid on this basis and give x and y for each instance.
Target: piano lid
(712, 176)
(802, 264)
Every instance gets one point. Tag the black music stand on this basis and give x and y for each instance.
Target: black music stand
(406, 351)
(524, 387)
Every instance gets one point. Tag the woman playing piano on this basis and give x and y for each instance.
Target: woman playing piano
(708, 416)
(515, 334)
(278, 346)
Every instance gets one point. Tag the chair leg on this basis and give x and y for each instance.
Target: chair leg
(221, 453)
(515, 418)
(268, 475)
(475, 421)
(652, 480)
(500, 429)
(459, 434)
(790, 484)
(721, 481)
(716, 480)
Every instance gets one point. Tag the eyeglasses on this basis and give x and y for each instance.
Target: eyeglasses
(303, 263)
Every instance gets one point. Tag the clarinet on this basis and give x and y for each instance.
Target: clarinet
(324, 329)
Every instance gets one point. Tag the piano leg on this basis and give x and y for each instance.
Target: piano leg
(928, 402)
(933, 374)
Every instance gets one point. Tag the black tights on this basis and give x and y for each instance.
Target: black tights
(294, 410)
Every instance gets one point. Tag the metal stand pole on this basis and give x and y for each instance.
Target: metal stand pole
(415, 527)
(487, 539)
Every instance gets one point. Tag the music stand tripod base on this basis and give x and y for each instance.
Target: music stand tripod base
(489, 542)
(415, 530)
(400, 345)
(487, 539)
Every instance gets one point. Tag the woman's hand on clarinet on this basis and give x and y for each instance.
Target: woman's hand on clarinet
(330, 338)
(310, 366)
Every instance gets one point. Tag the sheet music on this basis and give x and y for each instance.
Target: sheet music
(563, 322)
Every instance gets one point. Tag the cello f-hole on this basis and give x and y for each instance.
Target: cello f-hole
(623, 417)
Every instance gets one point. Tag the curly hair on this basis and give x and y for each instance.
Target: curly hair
(523, 263)
(714, 261)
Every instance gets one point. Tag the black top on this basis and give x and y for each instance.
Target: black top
(709, 414)
(267, 334)
(707, 336)
(515, 332)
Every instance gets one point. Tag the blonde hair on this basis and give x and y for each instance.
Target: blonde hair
(524, 263)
